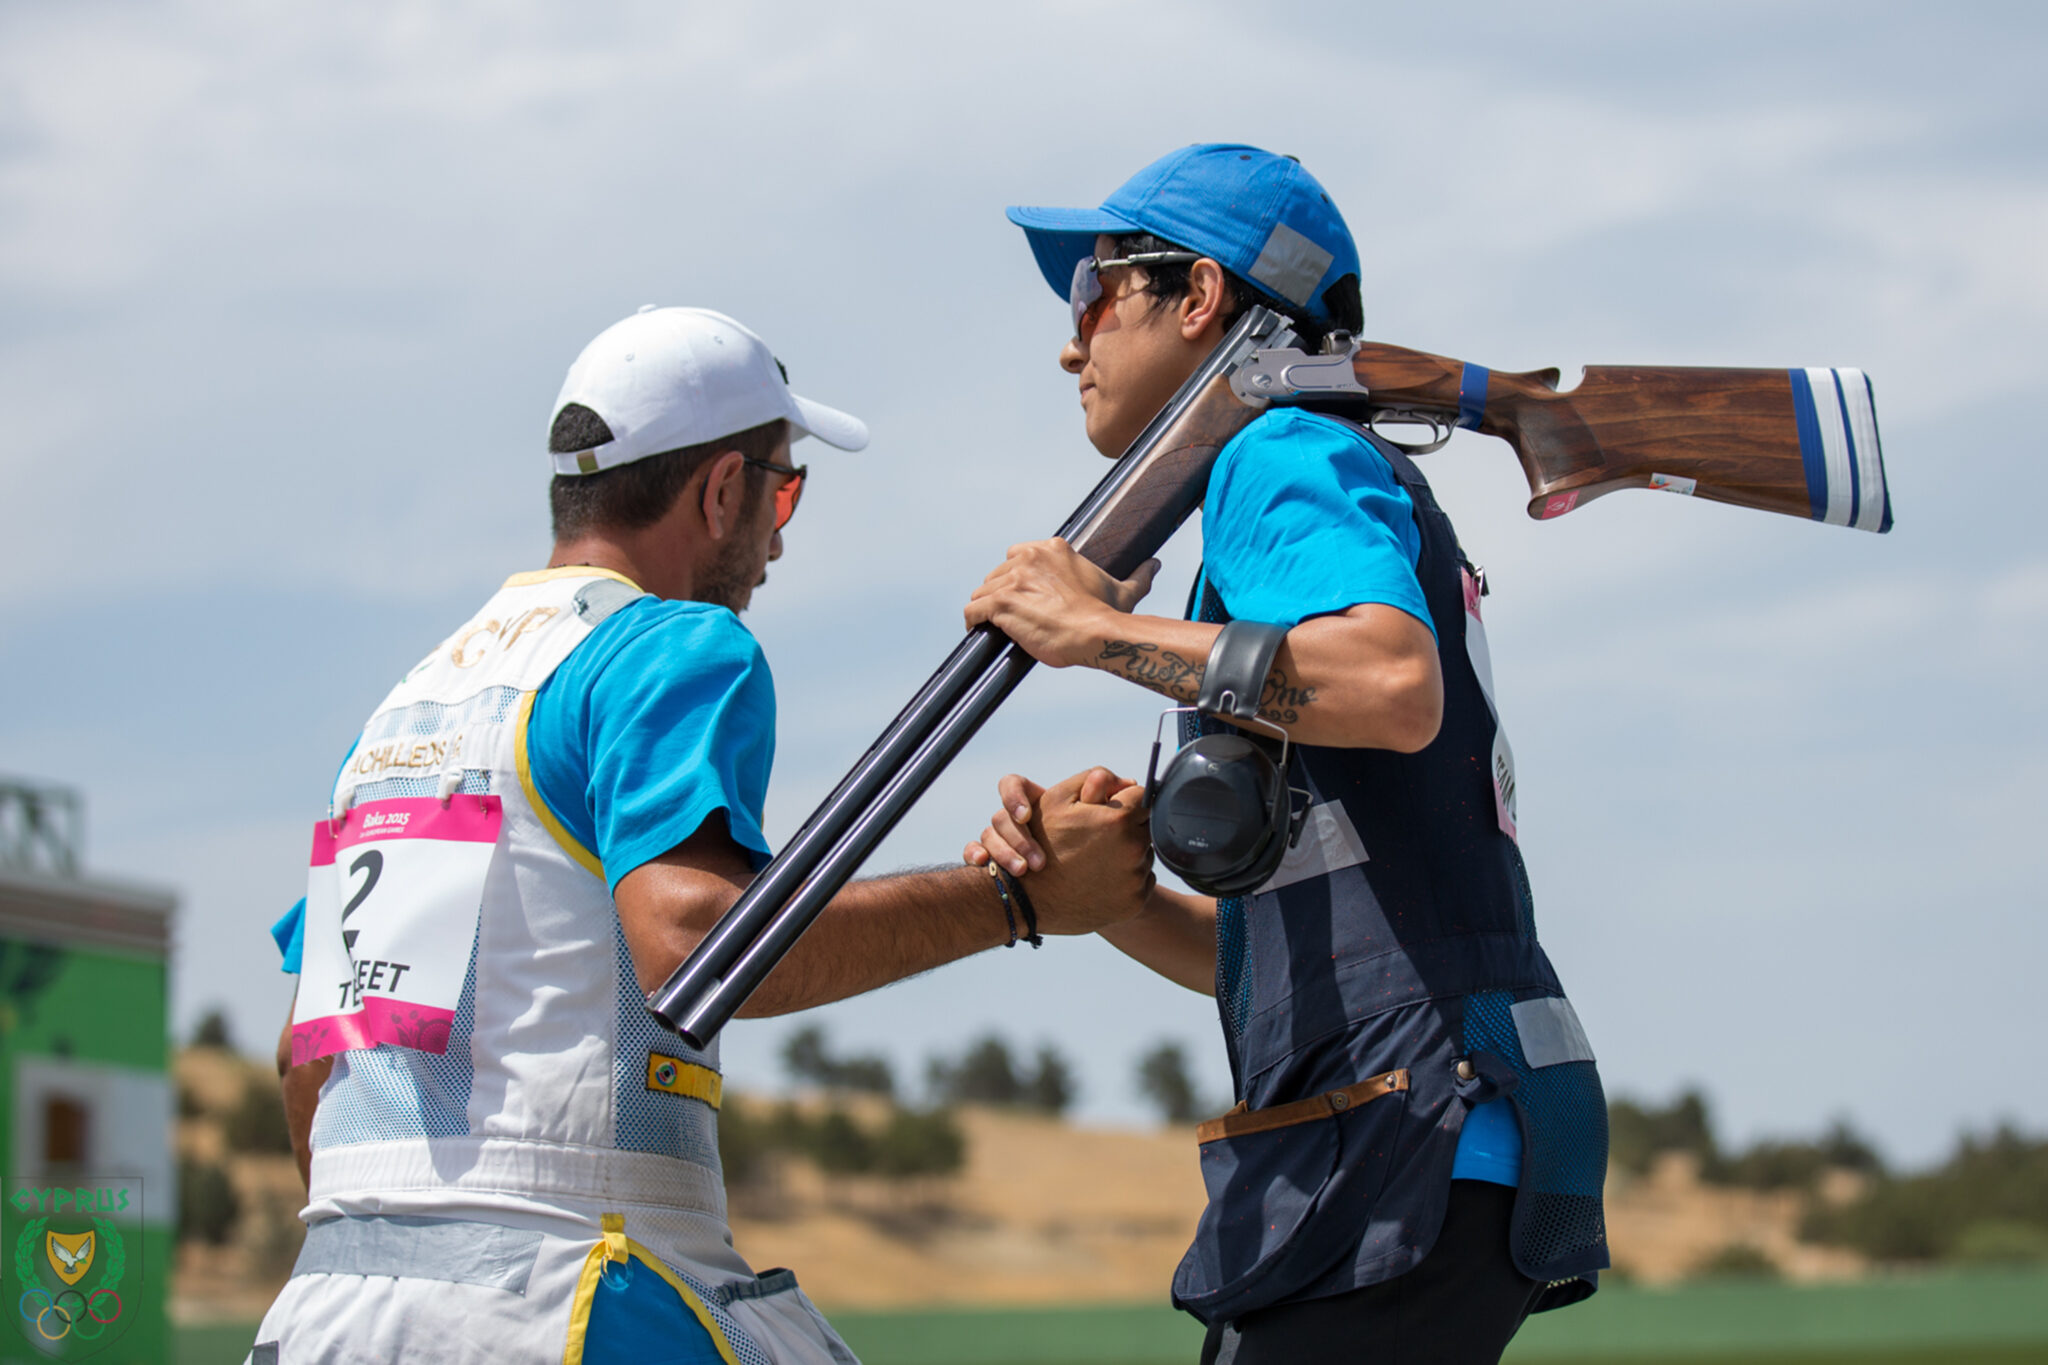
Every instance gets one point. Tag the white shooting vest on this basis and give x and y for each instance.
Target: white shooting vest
(556, 1088)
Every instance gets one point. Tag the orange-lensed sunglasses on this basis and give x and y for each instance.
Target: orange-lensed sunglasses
(788, 492)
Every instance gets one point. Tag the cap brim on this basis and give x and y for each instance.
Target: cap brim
(1061, 237)
(830, 425)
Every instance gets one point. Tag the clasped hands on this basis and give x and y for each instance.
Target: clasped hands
(1083, 848)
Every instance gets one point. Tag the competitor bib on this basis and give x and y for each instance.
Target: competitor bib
(1503, 773)
(392, 901)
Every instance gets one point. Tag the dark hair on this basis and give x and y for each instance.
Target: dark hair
(628, 497)
(1169, 282)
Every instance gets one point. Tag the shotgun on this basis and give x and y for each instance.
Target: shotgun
(1802, 442)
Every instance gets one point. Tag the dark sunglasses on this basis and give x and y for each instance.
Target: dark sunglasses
(1086, 290)
(788, 492)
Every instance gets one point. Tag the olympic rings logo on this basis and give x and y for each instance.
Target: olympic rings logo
(56, 1320)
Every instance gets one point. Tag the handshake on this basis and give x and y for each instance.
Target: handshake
(1083, 847)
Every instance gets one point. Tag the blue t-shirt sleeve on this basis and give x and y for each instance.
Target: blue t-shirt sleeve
(1304, 518)
(662, 718)
(289, 934)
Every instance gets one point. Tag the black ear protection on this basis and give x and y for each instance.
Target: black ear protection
(1223, 814)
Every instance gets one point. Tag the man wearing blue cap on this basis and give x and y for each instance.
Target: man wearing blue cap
(1415, 1163)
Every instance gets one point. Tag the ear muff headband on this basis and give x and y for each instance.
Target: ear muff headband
(1221, 813)
(1235, 679)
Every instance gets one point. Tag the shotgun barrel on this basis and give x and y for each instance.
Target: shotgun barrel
(1138, 505)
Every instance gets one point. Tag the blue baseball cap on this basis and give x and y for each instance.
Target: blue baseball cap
(1261, 216)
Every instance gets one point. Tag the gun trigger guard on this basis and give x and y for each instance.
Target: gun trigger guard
(1439, 429)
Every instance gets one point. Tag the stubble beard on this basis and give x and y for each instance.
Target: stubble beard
(739, 571)
(730, 585)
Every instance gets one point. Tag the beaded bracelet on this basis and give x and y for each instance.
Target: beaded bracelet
(1003, 895)
(1028, 911)
(1006, 890)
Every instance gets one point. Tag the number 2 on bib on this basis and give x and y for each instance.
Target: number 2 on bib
(392, 900)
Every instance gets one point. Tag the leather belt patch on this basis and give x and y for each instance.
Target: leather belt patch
(676, 1077)
(1241, 1121)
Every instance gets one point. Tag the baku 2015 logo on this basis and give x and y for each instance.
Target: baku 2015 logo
(70, 1260)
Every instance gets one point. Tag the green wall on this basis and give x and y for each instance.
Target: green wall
(87, 1005)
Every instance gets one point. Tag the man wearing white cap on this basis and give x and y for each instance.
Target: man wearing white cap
(509, 1159)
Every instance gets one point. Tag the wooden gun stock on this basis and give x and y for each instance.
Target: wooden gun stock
(1803, 442)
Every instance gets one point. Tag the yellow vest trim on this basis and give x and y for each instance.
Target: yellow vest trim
(672, 1076)
(532, 576)
(594, 1265)
(568, 841)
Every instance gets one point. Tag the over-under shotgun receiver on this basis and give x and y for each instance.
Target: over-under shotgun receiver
(1802, 442)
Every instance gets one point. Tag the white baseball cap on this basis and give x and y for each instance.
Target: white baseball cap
(672, 377)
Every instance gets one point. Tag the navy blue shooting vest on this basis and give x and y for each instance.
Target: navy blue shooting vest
(1420, 956)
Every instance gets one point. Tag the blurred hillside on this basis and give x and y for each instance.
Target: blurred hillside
(982, 1194)
(239, 1193)
(1039, 1212)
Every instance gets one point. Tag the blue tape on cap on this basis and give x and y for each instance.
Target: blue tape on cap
(1472, 396)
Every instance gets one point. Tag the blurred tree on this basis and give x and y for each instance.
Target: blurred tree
(207, 1206)
(1896, 1220)
(1977, 1204)
(807, 1058)
(917, 1142)
(1845, 1149)
(1052, 1086)
(257, 1122)
(744, 1143)
(839, 1146)
(2000, 1241)
(983, 1075)
(273, 1233)
(804, 1056)
(1164, 1082)
(1775, 1165)
(910, 1142)
(213, 1032)
(789, 1131)
(986, 1074)
(1636, 1134)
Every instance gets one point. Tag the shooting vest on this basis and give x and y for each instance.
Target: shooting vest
(1398, 936)
(544, 1082)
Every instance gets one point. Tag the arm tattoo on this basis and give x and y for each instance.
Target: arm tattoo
(1149, 666)
(1166, 672)
(1281, 702)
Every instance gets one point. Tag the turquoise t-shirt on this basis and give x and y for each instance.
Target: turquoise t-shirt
(1304, 518)
(661, 719)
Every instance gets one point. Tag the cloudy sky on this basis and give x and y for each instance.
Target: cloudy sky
(286, 292)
